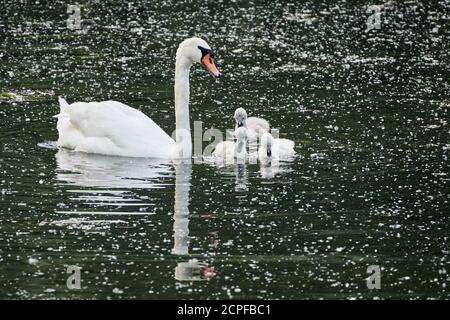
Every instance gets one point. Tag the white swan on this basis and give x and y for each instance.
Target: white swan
(275, 149)
(256, 126)
(230, 150)
(113, 128)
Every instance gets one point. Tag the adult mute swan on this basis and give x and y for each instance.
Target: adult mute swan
(275, 149)
(256, 126)
(113, 128)
(230, 150)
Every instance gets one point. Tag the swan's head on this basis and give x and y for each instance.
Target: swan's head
(241, 140)
(240, 115)
(194, 50)
(267, 143)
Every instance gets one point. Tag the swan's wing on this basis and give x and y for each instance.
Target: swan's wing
(124, 128)
(286, 143)
(285, 147)
(259, 125)
(224, 149)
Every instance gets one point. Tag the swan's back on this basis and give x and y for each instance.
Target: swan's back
(258, 125)
(224, 149)
(112, 128)
(284, 148)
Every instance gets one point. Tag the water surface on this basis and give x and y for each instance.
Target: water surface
(368, 112)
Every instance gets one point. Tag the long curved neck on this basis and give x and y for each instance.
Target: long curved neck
(183, 129)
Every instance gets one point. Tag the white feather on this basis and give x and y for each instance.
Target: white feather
(111, 128)
(275, 149)
(255, 126)
(230, 150)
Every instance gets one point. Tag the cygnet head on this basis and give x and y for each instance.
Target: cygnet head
(194, 50)
(267, 143)
(241, 140)
(240, 115)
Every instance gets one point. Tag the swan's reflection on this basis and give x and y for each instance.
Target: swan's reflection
(268, 171)
(91, 170)
(192, 270)
(98, 182)
(275, 168)
(241, 173)
(97, 171)
(183, 172)
(238, 170)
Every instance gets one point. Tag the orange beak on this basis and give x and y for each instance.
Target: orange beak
(210, 65)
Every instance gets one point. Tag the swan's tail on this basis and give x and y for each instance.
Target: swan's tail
(63, 105)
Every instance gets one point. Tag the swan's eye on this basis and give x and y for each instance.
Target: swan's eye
(206, 51)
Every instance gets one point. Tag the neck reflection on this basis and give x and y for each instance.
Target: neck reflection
(192, 270)
(183, 172)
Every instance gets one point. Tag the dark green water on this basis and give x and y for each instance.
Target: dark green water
(368, 112)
